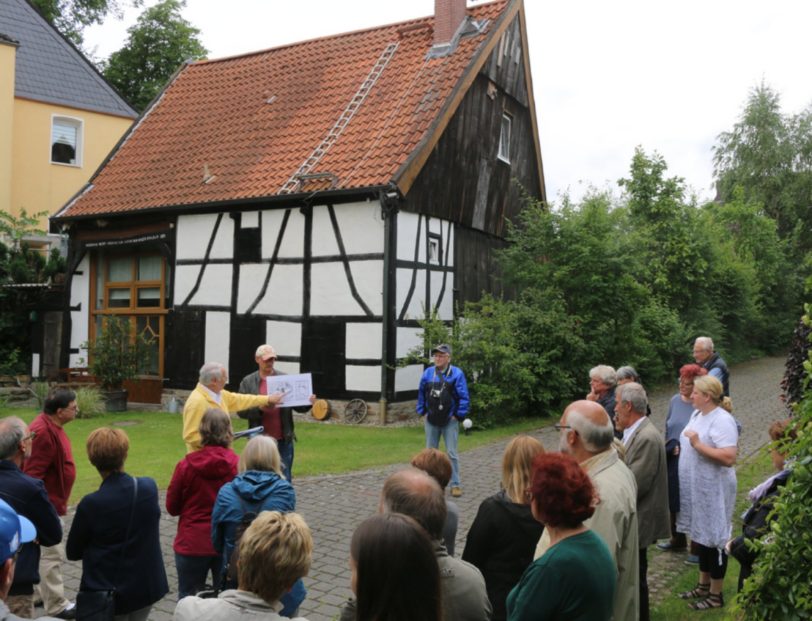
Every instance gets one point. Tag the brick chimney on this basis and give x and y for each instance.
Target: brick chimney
(448, 15)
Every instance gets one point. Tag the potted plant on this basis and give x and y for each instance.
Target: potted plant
(115, 356)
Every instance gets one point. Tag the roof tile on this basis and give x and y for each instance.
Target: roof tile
(241, 127)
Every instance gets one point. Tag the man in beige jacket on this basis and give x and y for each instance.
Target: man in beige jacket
(586, 433)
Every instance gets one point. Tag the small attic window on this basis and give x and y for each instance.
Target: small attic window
(504, 139)
(66, 141)
(435, 249)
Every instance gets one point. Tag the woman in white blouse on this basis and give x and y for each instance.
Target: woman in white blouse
(707, 480)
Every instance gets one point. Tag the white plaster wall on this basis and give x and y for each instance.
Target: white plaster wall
(285, 337)
(218, 331)
(406, 339)
(214, 289)
(80, 296)
(364, 340)
(403, 282)
(363, 378)
(446, 309)
(330, 292)
(287, 367)
(292, 242)
(250, 220)
(407, 230)
(283, 295)
(360, 224)
(194, 233)
(408, 378)
(436, 226)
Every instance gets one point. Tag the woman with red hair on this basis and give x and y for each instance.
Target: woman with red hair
(679, 413)
(575, 579)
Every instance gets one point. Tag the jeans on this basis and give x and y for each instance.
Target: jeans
(286, 454)
(193, 570)
(450, 433)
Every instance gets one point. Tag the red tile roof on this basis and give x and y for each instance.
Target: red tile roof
(240, 128)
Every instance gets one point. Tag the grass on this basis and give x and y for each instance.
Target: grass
(750, 473)
(156, 445)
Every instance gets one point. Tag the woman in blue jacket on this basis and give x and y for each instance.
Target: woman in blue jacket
(259, 486)
(115, 533)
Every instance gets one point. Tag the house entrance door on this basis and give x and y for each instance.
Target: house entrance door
(323, 348)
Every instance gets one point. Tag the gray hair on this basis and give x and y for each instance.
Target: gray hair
(633, 394)
(12, 432)
(627, 372)
(261, 453)
(211, 371)
(604, 373)
(705, 342)
(595, 438)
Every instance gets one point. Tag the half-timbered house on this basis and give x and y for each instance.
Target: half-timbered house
(319, 196)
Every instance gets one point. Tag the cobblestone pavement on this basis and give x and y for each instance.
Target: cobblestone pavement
(334, 505)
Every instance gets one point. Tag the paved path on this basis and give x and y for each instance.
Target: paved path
(334, 505)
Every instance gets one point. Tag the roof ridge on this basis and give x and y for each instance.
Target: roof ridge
(338, 35)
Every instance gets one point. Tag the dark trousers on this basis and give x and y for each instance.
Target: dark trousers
(643, 564)
(286, 455)
(193, 571)
(712, 561)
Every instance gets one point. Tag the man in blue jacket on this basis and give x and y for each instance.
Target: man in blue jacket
(27, 496)
(442, 399)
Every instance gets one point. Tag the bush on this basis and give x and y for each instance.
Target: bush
(40, 390)
(779, 587)
(89, 401)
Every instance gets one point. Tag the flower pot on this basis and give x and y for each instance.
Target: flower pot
(115, 400)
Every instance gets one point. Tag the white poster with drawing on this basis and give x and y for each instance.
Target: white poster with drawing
(297, 388)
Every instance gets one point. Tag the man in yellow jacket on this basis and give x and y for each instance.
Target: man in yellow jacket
(210, 393)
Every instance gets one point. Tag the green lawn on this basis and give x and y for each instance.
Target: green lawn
(323, 448)
(750, 473)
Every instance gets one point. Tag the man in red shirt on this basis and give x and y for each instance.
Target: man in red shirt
(276, 421)
(51, 460)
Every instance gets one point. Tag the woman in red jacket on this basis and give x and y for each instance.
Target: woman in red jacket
(191, 495)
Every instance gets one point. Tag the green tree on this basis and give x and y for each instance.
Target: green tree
(159, 42)
(769, 155)
(71, 17)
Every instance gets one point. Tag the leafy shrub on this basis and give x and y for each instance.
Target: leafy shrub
(40, 390)
(779, 587)
(90, 402)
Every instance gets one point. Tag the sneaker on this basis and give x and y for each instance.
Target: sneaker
(69, 612)
(670, 546)
(456, 491)
(692, 559)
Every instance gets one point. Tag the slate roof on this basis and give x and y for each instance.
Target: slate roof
(240, 128)
(50, 69)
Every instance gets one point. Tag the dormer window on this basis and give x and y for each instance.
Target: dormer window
(504, 139)
(66, 141)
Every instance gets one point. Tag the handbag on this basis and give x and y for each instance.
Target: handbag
(101, 605)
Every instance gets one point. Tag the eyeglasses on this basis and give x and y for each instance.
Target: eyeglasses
(31, 435)
(560, 427)
(73, 407)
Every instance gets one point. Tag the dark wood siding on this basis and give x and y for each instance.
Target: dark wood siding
(463, 180)
(476, 268)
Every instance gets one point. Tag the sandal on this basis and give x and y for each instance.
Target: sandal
(700, 590)
(714, 600)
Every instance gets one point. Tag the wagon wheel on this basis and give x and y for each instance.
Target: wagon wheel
(355, 411)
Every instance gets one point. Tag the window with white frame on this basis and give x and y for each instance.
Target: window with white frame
(435, 249)
(504, 139)
(66, 141)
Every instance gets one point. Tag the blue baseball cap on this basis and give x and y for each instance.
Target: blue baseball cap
(15, 530)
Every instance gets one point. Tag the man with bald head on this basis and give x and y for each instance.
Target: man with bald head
(414, 493)
(586, 433)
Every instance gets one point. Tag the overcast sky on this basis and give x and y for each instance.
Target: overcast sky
(607, 76)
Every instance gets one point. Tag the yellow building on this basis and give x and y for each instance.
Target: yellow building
(59, 118)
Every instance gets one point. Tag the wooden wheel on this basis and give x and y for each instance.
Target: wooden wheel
(355, 411)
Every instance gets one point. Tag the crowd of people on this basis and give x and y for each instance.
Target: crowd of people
(565, 537)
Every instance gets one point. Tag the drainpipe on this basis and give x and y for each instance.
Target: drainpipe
(390, 199)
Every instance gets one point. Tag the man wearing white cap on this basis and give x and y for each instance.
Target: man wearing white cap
(15, 530)
(276, 421)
